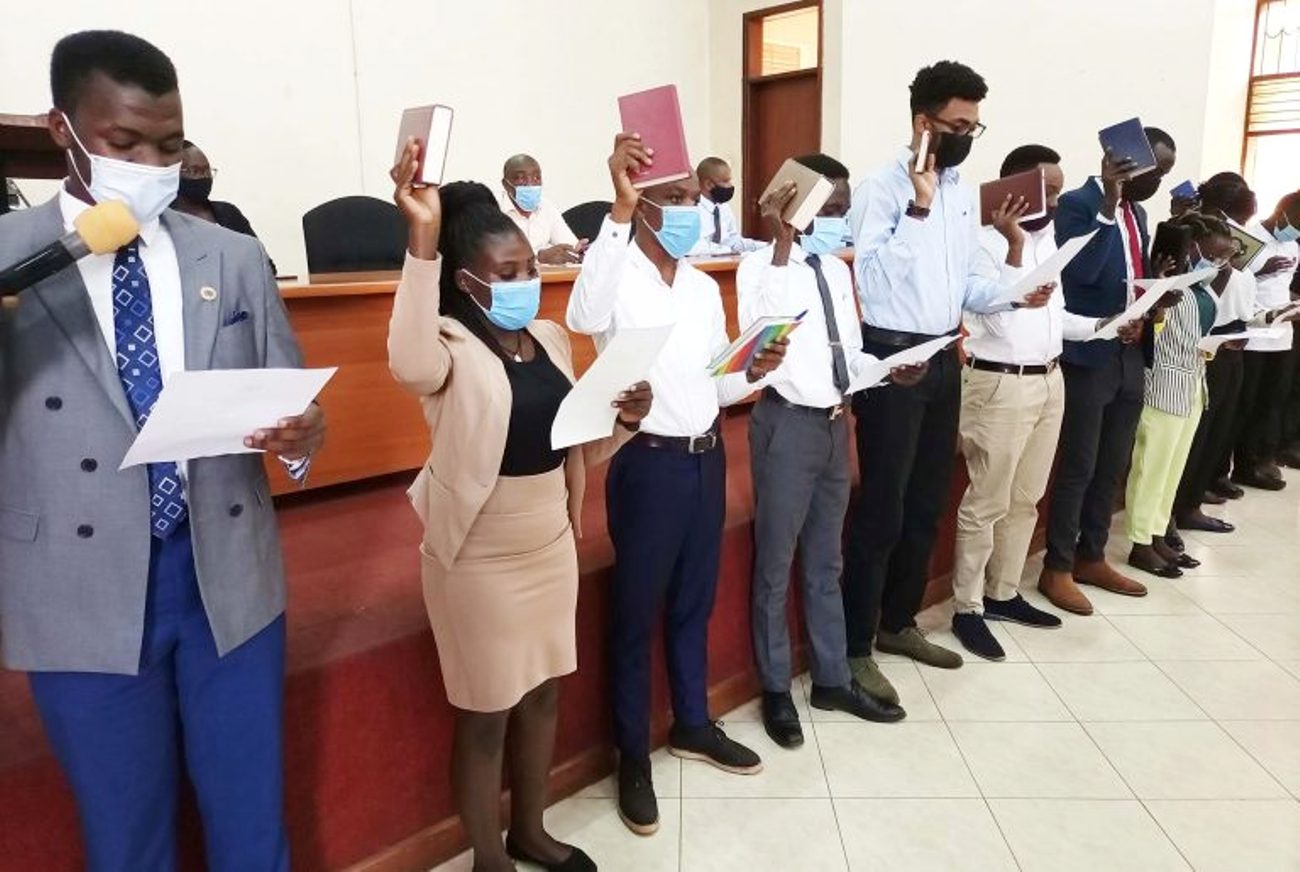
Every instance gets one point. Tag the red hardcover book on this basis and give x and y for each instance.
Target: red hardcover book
(657, 116)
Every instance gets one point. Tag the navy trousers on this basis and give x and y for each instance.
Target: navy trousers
(665, 519)
(122, 740)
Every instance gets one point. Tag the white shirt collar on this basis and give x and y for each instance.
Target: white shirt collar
(72, 207)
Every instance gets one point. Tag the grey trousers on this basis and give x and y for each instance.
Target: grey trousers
(800, 464)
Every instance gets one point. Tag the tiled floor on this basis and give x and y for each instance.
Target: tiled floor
(1160, 733)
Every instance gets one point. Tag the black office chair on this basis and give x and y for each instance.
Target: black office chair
(354, 234)
(585, 219)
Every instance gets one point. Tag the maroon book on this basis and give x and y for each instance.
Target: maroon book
(657, 116)
(1029, 184)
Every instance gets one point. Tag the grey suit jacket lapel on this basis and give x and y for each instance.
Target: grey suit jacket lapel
(65, 297)
(200, 271)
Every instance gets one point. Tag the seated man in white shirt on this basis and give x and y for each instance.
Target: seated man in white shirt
(719, 234)
(666, 488)
(799, 442)
(539, 219)
(1013, 401)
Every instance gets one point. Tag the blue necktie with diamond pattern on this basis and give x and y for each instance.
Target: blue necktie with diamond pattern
(141, 373)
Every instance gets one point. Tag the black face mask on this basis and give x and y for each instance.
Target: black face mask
(1143, 187)
(1036, 224)
(953, 148)
(719, 194)
(195, 190)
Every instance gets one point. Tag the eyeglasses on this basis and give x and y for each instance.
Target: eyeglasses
(973, 131)
(197, 173)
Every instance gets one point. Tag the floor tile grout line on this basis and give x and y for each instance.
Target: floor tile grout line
(830, 794)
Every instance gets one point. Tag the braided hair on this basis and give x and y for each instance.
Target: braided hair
(470, 216)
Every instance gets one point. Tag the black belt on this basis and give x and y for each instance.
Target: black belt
(830, 413)
(701, 444)
(896, 338)
(1013, 369)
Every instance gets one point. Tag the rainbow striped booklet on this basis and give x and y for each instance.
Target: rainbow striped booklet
(737, 356)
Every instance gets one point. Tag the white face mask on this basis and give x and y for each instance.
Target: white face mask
(146, 190)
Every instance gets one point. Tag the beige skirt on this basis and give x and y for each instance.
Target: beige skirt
(503, 615)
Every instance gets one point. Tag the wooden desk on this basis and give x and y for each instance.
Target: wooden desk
(375, 427)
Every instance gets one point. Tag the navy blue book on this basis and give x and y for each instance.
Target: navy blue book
(1128, 139)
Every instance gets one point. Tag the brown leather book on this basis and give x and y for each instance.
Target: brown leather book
(1029, 184)
(657, 116)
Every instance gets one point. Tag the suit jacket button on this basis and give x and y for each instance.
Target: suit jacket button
(89, 465)
(236, 510)
(54, 403)
(85, 531)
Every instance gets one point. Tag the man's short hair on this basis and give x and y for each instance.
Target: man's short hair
(709, 166)
(123, 57)
(1156, 136)
(825, 165)
(1026, 157)
(935, 85)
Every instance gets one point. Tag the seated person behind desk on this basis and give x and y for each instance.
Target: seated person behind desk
(194, 197)
(521, 199)
(719, 234)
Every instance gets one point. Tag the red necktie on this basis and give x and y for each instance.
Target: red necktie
(1134, 242)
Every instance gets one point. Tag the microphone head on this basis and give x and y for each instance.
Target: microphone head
(107, 226)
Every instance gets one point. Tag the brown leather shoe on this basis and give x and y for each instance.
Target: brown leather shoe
(1062, 592)
(1099, 573)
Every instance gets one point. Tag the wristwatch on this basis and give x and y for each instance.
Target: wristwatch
(915, 211)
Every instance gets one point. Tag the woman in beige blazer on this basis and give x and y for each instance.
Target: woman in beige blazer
(499, 506)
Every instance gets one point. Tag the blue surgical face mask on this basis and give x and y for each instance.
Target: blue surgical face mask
(1203, 262)
(1284, 232)
(680, 230)
(514, 304)
(528, 197)
(828, 234)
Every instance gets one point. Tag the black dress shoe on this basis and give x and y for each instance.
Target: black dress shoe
(1257, 479)
(1206, 524)
(1210, 498)
(1290, 456)
(1154, 565)
(781, 720)
(637, 805)
(853, 699)
(1186, 561)
(577, 861)
(710, 745)
(1018, 611)
(976, 637)
(1225, 488)
(1175, 541)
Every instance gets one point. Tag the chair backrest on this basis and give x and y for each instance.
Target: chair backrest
(585, 219)
(354, 234)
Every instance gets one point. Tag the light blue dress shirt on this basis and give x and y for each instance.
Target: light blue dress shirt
(919, 275)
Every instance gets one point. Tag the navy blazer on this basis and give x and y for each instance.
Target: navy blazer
(1096, 281)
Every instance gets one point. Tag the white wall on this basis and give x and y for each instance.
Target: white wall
(297, 101)
(273, 96)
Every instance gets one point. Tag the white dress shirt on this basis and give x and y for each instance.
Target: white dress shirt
(1123, 234)
(917, 275)
(618, 287)
(806, 375)
(1274, 290)
(732, 242)
(164, 272)
(1237, 302)
(544, 228)
(1023, 337)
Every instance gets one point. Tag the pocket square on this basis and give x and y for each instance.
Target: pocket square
(235, 318)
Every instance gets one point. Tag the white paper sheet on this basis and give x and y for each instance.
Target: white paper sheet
(1210, 344)
(1179, 282)
(586, 413)
(872, 374)
(1047, 271)
(209, 412)
(1138, 308)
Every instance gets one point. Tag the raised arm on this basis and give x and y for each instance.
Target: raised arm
(418, 356)
(886, 241)
(595, 293)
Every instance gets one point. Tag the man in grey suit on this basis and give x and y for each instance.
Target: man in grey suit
(146, 604)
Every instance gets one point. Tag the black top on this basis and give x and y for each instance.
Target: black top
(536, 387)
(228, 216)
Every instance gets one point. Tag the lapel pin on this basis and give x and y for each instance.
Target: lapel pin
(208, 293)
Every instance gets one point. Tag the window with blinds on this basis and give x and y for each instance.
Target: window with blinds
(1271, 153)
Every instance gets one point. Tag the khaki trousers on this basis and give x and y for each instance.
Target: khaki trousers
(1010, 425)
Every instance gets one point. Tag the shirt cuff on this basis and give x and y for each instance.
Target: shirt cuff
(297, 469)
(611, 229)
(1102, 219)
(420, 270)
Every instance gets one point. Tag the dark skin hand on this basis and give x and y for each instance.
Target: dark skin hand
(1275, 265)
(1114, 171)
(127, 123)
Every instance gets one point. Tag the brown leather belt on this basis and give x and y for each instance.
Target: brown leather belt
(1013, 369)
(830, 413)
(701, 444)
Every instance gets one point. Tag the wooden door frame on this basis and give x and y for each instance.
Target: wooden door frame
(752, 37)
